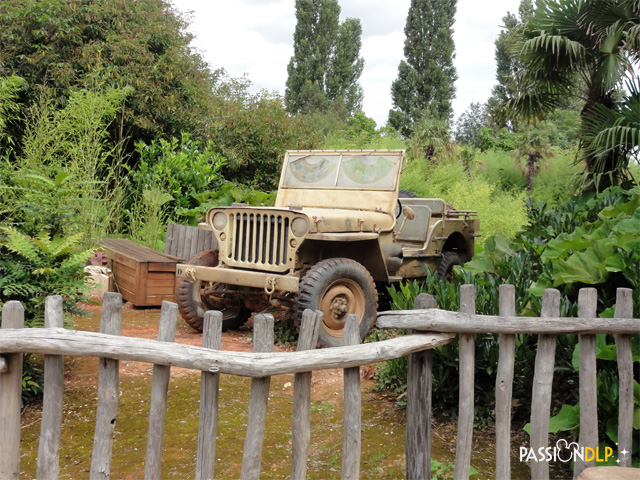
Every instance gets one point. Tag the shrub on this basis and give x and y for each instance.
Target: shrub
(498, 210)
(68, 178)
(31, 268)
(170, 178)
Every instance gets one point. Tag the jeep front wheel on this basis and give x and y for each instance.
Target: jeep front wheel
(338, 287)
(192, 301)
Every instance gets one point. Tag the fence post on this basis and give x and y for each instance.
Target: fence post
(51, 426)
(419, 378)
(504, 384)
(108, 383)
(467, 373)
(209, 389)
(542, 381)
(159, 389)
(352, 419)
(587, 308)
(301, 427)
(624, 309)
(10, 395)
(262, 343)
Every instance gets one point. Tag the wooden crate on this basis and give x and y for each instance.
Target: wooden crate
(144, 277)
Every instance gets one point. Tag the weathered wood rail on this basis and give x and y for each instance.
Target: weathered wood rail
(55, 343)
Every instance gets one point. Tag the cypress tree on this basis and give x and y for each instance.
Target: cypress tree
(326, 63)
(506, 65)
(425, 83)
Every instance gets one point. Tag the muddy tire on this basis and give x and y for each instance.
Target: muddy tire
(192, 305)
(337, 287)
(447, 262)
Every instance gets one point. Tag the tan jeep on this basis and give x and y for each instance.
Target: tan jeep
(338, 231)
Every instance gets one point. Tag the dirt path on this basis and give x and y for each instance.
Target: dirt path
(143, 323)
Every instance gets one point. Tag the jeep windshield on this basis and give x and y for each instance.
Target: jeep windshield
(368, 170)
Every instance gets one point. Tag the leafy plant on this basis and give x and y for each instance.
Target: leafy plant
(31, 268)
(67, 177)
(225, 195)
(183, 169)
(442, 471)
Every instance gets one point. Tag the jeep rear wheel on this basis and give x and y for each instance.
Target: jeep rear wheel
(338, 287)
(192, 301)
(447, 262)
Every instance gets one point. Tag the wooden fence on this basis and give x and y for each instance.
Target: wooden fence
(507, 325)
(55, 342)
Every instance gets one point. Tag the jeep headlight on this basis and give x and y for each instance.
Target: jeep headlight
(219, 220)
(300, 226)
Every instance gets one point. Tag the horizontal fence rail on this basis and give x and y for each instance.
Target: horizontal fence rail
(90, 344)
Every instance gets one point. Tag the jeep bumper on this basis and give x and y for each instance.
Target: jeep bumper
(246, 278)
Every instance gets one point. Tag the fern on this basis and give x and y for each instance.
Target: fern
(20, 244)
(33, 268)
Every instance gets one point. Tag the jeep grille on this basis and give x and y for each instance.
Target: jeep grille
(259, 240)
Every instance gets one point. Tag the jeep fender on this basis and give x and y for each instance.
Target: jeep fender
(365, 249)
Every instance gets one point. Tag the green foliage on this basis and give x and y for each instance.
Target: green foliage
(31, 268)
(71, 45)
(468, 192)
(586, 50)
(285, 332)
(431, 140)
(537, 257)
(252, 133)
(9, 107)
(490, 140)
(442, 471)
(68, 177)
(326, 65)
(171, 177)
(425, 83)
(468, 126)
(32, 380)
(224, 196)
(604, 250)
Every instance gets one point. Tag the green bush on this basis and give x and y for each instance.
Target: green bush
(68, 177)
(32, 268)
(170, 179)
(501, 212)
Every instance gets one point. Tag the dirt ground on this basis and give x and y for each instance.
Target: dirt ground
(143, 323)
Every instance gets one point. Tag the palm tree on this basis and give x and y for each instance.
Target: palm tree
(432, 139)
(535, 148)
(584, 48)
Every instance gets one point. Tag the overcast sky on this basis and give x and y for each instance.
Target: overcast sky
(256, 37)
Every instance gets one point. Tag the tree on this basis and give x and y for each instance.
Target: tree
(326, 63)
(582, 48)
(506, 64)
(469, 124)
(425, 82)
(63, 45)
(431, 140)
(535, 147)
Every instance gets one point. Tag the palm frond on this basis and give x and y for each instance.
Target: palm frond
(565, 53)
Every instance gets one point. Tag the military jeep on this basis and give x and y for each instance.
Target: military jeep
(340, 230)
